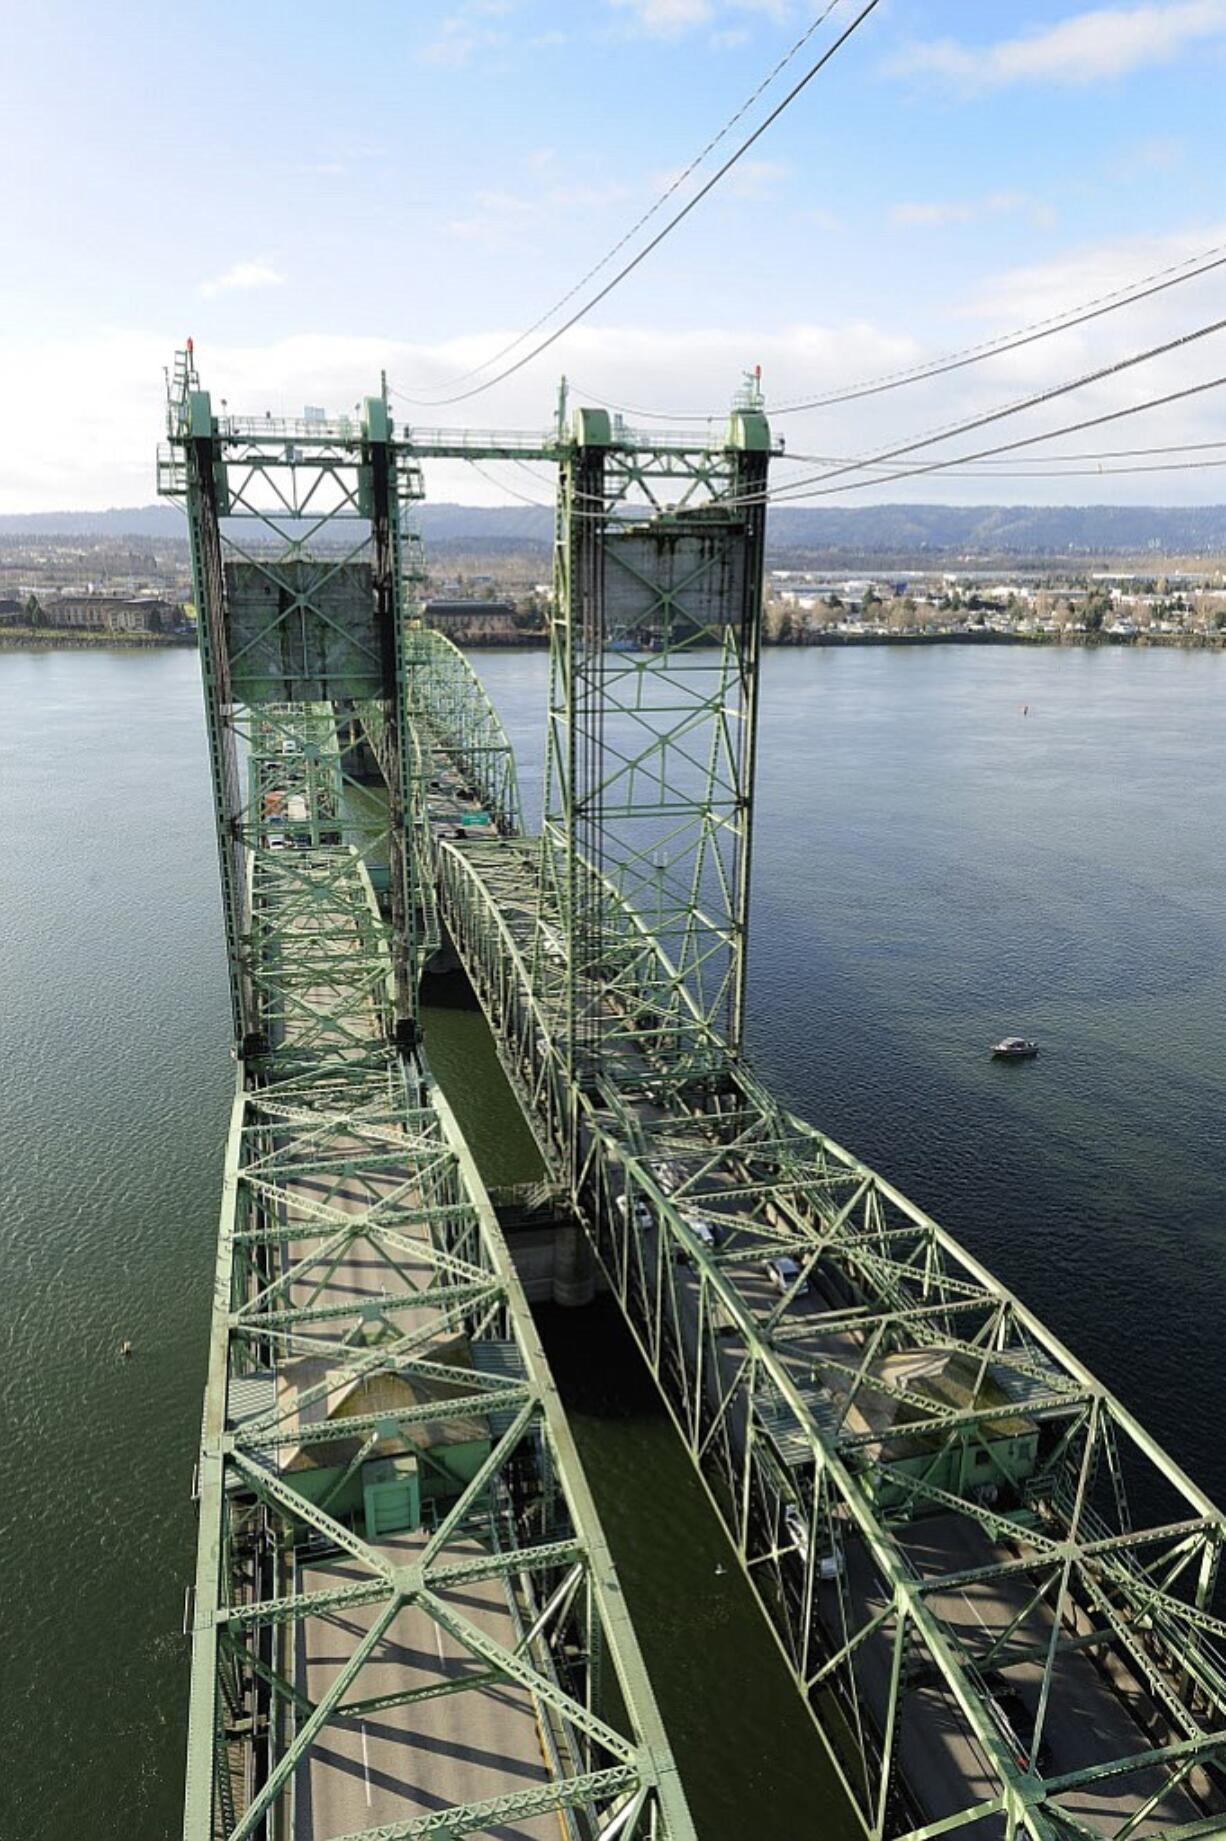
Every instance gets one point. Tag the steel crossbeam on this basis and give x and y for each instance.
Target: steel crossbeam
(955, 1531)
(892, 1396)
(368, 1322)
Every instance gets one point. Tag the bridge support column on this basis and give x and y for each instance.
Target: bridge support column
(574, 1268)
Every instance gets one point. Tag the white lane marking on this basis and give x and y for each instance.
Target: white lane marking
(975, 1609)
(438, 1644)
(366, 1764)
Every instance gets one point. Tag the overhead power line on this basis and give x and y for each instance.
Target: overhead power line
(817, 485)
(670, 191)
(502, 486)
(1039, 467)
(677, 218)
(814, 489)
(1033, 460)
(1016, 408)
(1129, 295)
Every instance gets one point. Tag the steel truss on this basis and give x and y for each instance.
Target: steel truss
(999, 1598)
(305, 568)
(651, 731)
(456, 726)
(839, 1444)
(371, 1348)
(360, 1263)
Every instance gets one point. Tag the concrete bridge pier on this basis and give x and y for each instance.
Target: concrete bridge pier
(444, 962)
(553, 1255)
(574, 1267)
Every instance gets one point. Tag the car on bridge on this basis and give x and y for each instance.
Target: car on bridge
(643, 1217)
(783, 1274)
(702, 1228)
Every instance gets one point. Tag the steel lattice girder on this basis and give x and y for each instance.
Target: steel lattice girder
(456, 725)
(740, 1381)
(651, 729)
(774, 1419)
(343, 1161)
(829, 1419)
(304, 569)
(337, 1154)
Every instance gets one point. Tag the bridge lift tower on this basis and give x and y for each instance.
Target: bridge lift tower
(405, 1620)
(651, 739)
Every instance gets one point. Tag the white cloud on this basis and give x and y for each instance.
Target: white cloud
(1088, 47)
(1046, 290)
(820, 218)
(932, 214)
(460, 35)
(756, 178)
(668, 18)
(502, 219)
(671, 18)
(242, 278)
(690, 369)
(1158, 153)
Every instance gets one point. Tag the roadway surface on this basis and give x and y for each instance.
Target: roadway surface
(1098, 1712)
(465, 1744)
(405, 1761)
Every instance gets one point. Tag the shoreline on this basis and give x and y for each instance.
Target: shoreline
(27, 640)
(1184, 642)
(61, 639)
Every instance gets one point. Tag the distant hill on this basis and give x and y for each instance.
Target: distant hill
(914, 531)
(1002, 530)
(137, 521)
(439, 523)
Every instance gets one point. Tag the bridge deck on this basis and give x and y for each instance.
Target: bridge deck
(400, 1586)
(1111, 1696)
(408, 1759)
(405, 1761)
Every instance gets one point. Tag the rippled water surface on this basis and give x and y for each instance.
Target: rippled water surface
(932, 869)
(114, 1095)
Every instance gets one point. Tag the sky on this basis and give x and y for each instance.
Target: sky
(319, 193)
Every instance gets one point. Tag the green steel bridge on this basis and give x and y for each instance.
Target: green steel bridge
(998, 1599)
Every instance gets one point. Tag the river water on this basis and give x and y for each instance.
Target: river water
(933, 868)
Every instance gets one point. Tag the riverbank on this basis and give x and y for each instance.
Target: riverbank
(68, 639)
(1186, 642)
(989, 636)
(46, 639)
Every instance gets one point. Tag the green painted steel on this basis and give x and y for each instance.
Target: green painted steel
(305, 571)
(386, 1473)
(651, 731)
(998, 1596)
(915, 1469)
(456, 726)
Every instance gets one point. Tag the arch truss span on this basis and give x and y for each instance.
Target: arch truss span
(458, 728)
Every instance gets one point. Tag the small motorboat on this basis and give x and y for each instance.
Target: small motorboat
(1015, 1048)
